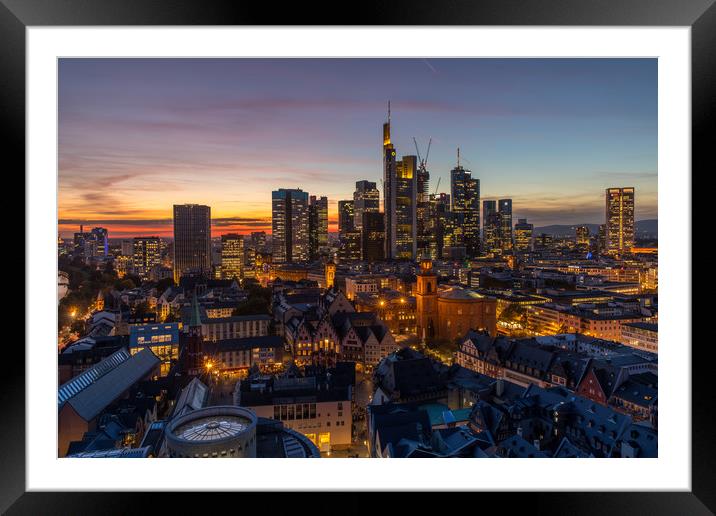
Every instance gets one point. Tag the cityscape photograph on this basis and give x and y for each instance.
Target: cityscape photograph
(357, 258)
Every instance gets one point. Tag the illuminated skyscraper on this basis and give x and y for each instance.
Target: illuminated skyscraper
(289, 224)
(504, 207)
(232, 256)
(257, 241)
(346, 222)
(100, 237)
(582, 236)
(192, 240)
(317, 225)
(145, 255)
(523, 235)
(400, 200)
(620, 220)
(349, 248)
(491, 227)
(602, 238)
(366, 199)
(465, 203)
(427, 244)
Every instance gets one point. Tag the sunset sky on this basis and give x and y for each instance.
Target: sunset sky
(139, 135)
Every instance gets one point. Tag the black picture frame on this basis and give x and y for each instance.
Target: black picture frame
(700, 15)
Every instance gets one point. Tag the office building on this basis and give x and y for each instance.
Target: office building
(317, 225)
(146, 255)
(504, 207)
(465, 203)
(582, 236)
(491, 227)
(373, 237)
(366, 199)
(400, 200)
(127, 247)
(602, 238)
(289, 223)
(620, 220)
(192, 240)
(346, 213)
(100, 238)
(426, 237)
(232, 256)
(523, 235)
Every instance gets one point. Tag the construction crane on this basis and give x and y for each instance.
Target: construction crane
(423, 163)
(437, 186)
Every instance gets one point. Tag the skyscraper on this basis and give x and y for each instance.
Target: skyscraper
(505, 208)
(400, 200)
(465, 203)
(602, 238)
(145, 255)
(349, 248)
(373, 236)
(491, 227)
(366, 198)
(317, 225)
(523, 235)
(426, 244)
(346, 211)
(192, 240)
(582, 236)
(289, 224)
(404, 199)
(620, 220)
(232, 256)
(100, 237)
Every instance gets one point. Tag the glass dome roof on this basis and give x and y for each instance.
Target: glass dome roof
(212, 428)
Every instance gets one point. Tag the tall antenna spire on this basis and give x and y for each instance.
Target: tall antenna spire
(389, 111)
(458, 157)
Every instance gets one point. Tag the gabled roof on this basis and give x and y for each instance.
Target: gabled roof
(529, 355)
(516, 446)
(636, 393)
(95, 397)
(192, 397)
(567, 450)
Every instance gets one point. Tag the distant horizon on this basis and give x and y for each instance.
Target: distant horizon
(139, 135)
(169, 223)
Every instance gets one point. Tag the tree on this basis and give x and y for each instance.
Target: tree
(143, 308)
(164, 284)
(125, 283)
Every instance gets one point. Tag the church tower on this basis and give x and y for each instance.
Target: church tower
(426, 298)
(330, 275)
(193, 349)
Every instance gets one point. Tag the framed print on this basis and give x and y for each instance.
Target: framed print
(431, 234)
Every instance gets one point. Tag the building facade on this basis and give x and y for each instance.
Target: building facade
(289, 223)
(620, 220)
(192, 240)
(232, 256)
(146, 254)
